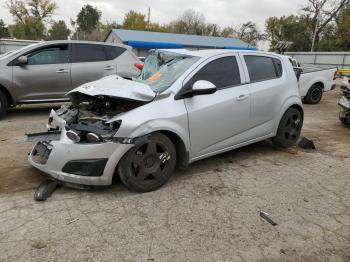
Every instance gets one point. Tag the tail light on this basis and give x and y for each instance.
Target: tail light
(139, 66)
(335, 75)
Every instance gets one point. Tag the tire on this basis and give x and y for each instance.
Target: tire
(148, 166)
(289, 128)
(3, 104)
(314, 95)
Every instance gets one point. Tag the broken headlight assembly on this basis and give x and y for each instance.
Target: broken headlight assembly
(92, 131)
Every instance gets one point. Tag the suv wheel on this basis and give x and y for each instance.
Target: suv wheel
(314, 94)
(289, 128)
(3, 104)
(147, 166)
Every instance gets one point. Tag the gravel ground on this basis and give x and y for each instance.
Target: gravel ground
(208, 213)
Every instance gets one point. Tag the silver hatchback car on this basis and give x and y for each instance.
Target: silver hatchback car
(185, 106)
(46, 71)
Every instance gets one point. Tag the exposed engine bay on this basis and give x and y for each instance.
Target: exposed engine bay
(87, 116)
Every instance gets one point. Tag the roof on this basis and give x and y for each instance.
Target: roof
(147, 39)
(212, 52)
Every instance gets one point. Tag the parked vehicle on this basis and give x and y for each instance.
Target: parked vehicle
(45, 71)
(314, 80)
(345, 83)
(344, 104)
(185, 106)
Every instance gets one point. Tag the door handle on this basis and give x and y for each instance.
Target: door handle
(62, 71)
(242, 97)
(108, 68)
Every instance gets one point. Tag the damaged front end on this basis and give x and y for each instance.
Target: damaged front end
(87, 118)
(81, 146)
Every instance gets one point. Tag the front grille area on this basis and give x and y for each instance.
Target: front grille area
(41, 152)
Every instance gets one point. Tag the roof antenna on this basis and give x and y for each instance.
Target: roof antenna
(148, 19)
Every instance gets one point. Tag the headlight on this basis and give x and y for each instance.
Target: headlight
(73, 135)
(92, 137)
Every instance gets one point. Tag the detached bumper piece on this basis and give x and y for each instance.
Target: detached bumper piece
(44, 136)
(85, 167)
(41, 152)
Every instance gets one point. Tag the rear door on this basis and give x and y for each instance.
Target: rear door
(218, 121)
(90, 62)
(267, 84)
(46, 76)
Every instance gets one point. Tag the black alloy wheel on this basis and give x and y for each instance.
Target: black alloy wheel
(149, 165)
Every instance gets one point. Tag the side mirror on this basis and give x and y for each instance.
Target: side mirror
(297, 71)
(203, 87)
(22, 60)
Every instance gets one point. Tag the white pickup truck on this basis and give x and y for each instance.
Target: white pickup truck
(314, 80)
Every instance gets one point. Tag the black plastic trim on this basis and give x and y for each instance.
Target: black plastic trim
(85, 167)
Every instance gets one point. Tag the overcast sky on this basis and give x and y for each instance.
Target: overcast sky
(222, 12)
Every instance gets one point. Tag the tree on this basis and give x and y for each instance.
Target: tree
(88, 18)
(32, 29)
(190, 22)
(4, 32)
(227, 32)
(59, 31)
(249, 33)
(291, 28)
(342, 34)
(321, 13)
(30, 17)
(135, 21)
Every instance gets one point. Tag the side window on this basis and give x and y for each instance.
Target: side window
(222, 72)
(113, 51)
(278, 67)
(262, 68)
(49, 55)
(88, 53)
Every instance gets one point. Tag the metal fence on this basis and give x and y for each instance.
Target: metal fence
(339, 59)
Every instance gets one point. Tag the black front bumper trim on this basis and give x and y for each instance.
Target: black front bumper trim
(85, 167)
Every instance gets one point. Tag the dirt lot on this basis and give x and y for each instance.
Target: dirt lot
(208, 213)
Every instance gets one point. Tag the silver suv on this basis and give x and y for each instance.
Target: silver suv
(45, 71)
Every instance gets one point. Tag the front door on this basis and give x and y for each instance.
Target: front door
(218, 121)
(45, 76)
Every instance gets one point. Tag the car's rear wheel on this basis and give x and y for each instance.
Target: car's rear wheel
(147, 166)
(289, 128)
(3, 104)
(314, 95)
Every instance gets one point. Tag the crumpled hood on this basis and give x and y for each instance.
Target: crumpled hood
(118, 87)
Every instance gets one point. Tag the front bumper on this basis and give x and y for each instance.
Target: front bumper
(59, 153)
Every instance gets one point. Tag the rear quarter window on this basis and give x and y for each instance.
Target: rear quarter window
(113, 52)
(88, 53)
(262, 68)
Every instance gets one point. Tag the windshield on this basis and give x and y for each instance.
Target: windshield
(161, 69)
(15, 52)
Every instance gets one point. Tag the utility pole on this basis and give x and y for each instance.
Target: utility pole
(149, 19)
(314, 36)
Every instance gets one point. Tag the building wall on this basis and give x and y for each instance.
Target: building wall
(7, 45)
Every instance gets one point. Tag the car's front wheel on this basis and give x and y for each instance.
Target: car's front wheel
(289, 128)
(147, 166)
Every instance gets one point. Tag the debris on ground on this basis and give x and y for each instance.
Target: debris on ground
(45, 190)
(306, 143)
(266, 216)
(37, 244)
(73, 220)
